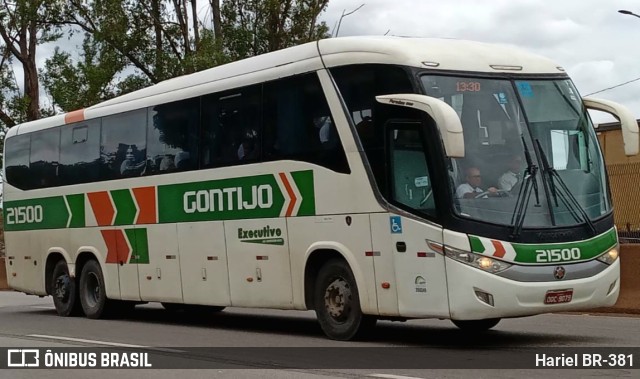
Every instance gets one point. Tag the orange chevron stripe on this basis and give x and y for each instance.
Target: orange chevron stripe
(500, 251)
(102, 208)
(146, 199)
(117, 247)
(292, 194)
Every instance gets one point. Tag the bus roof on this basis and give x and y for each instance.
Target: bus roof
(431, 53)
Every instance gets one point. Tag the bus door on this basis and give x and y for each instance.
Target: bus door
(409, 245)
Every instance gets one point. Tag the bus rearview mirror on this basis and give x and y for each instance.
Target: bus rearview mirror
(445, 117)
(628, 122)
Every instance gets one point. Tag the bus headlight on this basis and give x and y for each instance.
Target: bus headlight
(482, 262)
(610, 256)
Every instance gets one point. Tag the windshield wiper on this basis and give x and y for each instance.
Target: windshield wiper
(524, 194)
(568, 199)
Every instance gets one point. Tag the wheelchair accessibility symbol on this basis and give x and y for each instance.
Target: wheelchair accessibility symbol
(396, 224)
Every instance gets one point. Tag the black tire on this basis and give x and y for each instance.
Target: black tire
(64, 291)
(476, 325)
(93, 295)
(337, 303)
(192, 308)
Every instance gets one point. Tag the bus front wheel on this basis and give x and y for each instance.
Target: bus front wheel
(64, 291)
(476, 325)
(337, 303)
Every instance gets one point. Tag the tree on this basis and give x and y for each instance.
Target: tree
(91, 80)
(257, 27)
(24, 26)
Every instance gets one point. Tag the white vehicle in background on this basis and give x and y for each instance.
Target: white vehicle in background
(324, 177)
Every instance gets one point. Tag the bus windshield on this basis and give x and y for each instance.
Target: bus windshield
(531, 154)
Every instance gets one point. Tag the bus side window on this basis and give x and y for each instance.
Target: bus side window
(123, 145)
(172, 136)
(298, 124)
(17, 160)
(44, 158)
(231, 129)
(80, 153)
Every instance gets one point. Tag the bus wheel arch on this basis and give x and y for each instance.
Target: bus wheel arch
(50, 263)
(337, 302)
(329, 274)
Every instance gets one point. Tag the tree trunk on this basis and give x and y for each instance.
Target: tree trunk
(155, 13)
(217, 19)
(196, 30)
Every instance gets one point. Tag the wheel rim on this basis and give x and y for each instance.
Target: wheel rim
(337, 299)
(62, 288)
(92, 290)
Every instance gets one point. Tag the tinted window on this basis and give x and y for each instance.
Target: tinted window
(298, 124)
(410, 180)
(231, 127)
(359, 85)
(17, 160)
(45, 155)
(172, 142)
(122, 149)
(80, 153)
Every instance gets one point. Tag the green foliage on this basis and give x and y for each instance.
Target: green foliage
(257, 27)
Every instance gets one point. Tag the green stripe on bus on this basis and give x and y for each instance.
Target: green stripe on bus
(589, 249)
(125, 207)
(139, 245)
(476, 244)
(225, 199)
(76, 204)
(43, 213)
(304, 182)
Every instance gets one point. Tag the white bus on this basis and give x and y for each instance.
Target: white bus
(364, 178)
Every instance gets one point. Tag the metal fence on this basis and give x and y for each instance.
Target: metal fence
(625, 190)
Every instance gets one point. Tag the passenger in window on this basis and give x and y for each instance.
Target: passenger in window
(248, 149)
(183, 161)
(512, 176)
(129, 166)
(471, 189)
(324, 125)
(167, 163)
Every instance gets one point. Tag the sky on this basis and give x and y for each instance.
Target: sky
(596, 45)
(589, 38)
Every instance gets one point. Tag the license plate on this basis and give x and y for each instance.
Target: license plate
(558, 297)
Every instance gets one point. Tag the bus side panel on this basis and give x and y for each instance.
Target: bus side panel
(127, 267)
(158, 261)
(422, 280)
(93, 241)
(352, 240)
(41, 242)
(203, 263)
(259, 267)
(384, 264)
(17, 246)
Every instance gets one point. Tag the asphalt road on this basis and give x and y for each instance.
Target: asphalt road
(28, 321)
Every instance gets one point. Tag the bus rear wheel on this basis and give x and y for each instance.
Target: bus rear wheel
(337, 303)
(64, 291)
(93, 295)
(476, 325)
